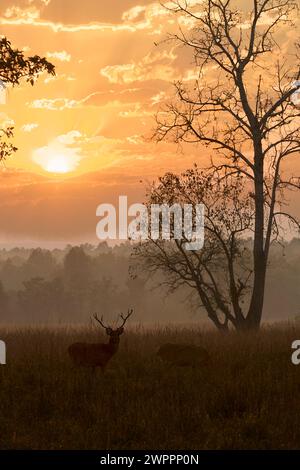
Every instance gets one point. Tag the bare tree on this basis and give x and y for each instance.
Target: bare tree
(220, 273)
(242, 109)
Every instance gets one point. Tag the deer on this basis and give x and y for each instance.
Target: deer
(99, 354)
(183, 355)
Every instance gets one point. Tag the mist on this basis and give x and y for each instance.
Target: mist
(68, 285)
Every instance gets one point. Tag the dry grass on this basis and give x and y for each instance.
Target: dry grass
(248, 398)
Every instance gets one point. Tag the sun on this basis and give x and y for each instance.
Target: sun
(58, 164)
(57, 158)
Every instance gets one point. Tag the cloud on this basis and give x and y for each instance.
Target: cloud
(16, 13)
(154, 66)
(44, 2)
(31, 17)
(6, 121)
(135, 112)
(62, 76)
(63, 56)
(59, 104)
(137, 18)
(29, 127)
(158, 98)
(133, 13)
(70, 138)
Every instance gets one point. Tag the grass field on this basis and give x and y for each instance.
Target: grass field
(249, 396)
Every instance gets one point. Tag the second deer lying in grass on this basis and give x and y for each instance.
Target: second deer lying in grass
(98, 354)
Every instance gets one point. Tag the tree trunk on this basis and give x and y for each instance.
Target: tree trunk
(254, 316)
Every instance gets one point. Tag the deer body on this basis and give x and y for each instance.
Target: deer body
(92, 355)
(98, 354)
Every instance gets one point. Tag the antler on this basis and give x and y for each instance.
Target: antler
(129, 313)
(100, 321)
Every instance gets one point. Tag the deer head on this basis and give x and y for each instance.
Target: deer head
(114, 333)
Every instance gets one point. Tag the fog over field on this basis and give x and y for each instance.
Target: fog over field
(67, 285)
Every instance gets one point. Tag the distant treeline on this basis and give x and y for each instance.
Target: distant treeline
(69, 285)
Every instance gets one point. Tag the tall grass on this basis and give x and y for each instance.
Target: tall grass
(249, 396)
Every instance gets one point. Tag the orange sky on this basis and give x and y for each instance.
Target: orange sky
(88, 122)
